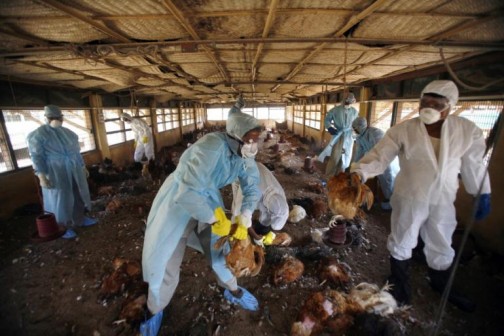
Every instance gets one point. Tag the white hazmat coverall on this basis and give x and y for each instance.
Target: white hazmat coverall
(143, 140)
(426, 186)
(273, 207)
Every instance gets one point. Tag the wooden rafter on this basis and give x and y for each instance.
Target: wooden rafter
(350, 23)
(265, 33)
(21, 35)
(76, 14)
(179, 16)
(433, 38)
(236, 13)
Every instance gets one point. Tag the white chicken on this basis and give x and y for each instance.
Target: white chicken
(374, 299)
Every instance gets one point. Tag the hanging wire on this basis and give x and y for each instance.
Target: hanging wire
(12, 91)
(470, 224)
(459, 82)
(345, 67)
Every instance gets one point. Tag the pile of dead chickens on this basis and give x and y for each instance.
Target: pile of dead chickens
(126, 281)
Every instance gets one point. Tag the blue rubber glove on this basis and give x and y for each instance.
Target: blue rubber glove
(332, 131)
(483, 206)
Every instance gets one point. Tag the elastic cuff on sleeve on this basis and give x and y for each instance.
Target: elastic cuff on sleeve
(247, 213)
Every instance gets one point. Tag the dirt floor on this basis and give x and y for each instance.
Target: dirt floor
(54, 288)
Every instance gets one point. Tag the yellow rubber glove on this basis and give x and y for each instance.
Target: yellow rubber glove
(145, 139)
(268, 238)
(134, 144)
(241, 232)
(222, 225)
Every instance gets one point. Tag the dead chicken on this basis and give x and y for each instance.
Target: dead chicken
(282, 239)
(329, 311)
(288, 271)
(346, 194)
(373, 298)
(245, 258)
(115, 283)
(124, 273)
(334, 272)
(133, 311)
(113, 206)
(106, 191)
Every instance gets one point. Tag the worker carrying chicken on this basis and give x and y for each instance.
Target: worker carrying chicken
(58, 163)
(191, 195)
(144, 143)
(273, 207)
(367, 138)
(338, 123)
(433, 150)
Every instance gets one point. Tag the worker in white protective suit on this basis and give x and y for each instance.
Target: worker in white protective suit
(433, 150)
(273, 207)
(58, 163)
(190, 201)
(338, 123)
(367, 138)
(144, 142)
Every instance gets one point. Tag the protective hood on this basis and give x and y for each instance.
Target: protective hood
(445, 88)
(350, 99)
(52, 111)
(239, 123)
(360, 124)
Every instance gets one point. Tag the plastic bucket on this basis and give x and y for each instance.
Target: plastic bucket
(46, 225)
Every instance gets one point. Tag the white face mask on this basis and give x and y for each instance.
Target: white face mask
(429, 115)
(55, 123)
(347, 106)
(249, 150)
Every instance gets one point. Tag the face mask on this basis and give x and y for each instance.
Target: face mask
(429, 115)
(55, 123)
(347, 106)
(249, 150)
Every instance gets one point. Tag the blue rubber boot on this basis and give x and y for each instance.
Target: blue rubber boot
(88, 221)
(151, 326)
(69, 234)
(247, 301)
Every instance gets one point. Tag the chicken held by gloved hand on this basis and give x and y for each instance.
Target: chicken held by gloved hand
(346, 194)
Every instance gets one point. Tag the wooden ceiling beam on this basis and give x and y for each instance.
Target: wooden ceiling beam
(434, 39)
(484, 45)
(84, 18)
(350, 23)
(23, 36)
(265, 33)
(235, 13)
(179, 16)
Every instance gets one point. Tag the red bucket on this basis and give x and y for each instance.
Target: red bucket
(47, 228)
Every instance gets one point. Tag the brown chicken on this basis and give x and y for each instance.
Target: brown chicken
(115, 283)
(288, 271)
(346, 194)
(282, 239)
(325, 311)
(133, 311)
(113, 206)
(245, 258)
(106, 191)
(124, 273)
(334, 272)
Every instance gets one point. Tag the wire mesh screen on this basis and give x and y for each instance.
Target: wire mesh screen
(483, 113)
(381, 115)
(19, 123)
